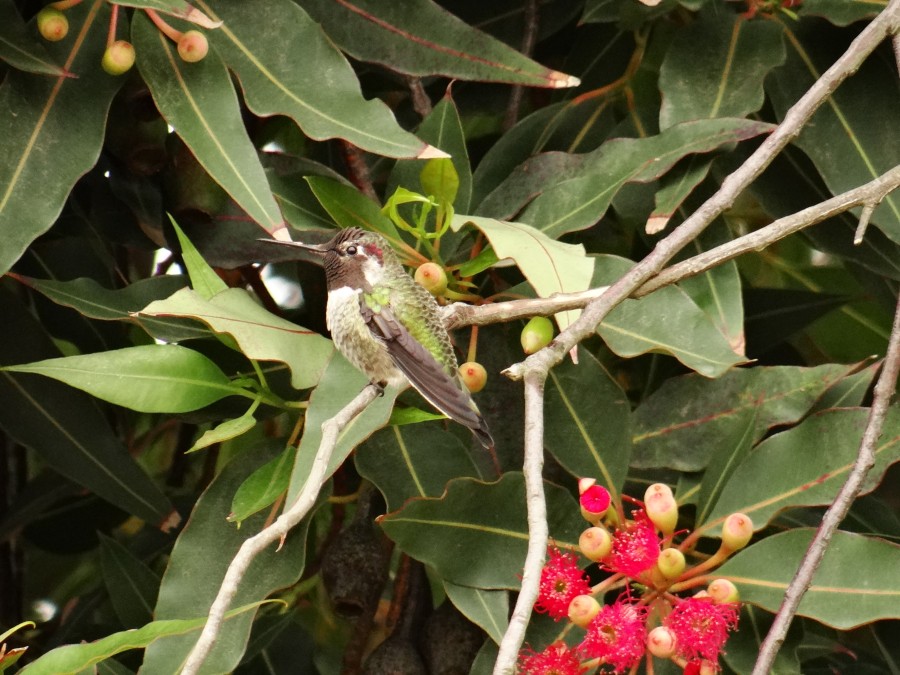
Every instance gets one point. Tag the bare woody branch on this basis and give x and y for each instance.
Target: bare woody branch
(276, 531)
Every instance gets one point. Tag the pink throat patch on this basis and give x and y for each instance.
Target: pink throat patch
(373, 249)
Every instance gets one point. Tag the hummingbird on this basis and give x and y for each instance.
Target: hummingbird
(389, 326)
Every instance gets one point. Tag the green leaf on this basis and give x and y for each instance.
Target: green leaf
(350, 208)
(260, 334)
(65, 427)
(587, 421)
(550, 266)
(198, 563)
(263, 487)
(841, 12)
(148, 378)
(37, 137)
(855, 584)
(71, 659)
(199, 101)
(419, 37)
(92, 300)
(225, 431)
(204, 279)
(413, 461)
(806, 465)
(853, 137)
(132, 586)
(674, 188)
(485, 517)
(716, 67)
(177, 8)
(443, 129)
(775, 314)
(665, 321)
(725, 458)
(288, 66)
(563, 189)
(340, 384)
(19, 48)
(682, 423)
(485, 608)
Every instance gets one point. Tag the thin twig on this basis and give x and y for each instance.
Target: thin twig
(538, 529)
(865, 460)
(277, 530)
(536, 366)
(529, 38)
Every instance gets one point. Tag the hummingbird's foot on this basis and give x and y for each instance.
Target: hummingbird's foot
(379, 387)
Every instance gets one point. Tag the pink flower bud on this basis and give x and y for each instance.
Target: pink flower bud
(583, 609)
(661, 642)
(722, 590)
(594, 503)
(595, 543)
(661, 507)
(736, 531)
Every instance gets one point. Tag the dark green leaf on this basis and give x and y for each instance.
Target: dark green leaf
(488, 609)
(419, 37)
(774, 314)
(856, 583)
(485, 517)
(132, 586)
(19, 48)
(37, 137)
(263, 487)
(199, 560)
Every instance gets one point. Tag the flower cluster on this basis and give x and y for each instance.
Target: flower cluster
(648, 617)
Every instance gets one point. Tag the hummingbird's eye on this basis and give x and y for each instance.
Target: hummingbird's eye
(351, 250)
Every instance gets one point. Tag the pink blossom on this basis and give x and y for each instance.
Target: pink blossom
(561, 581)
(617, 635)
(595, 499)
(635, 547)
(557, 659)
(701, 627)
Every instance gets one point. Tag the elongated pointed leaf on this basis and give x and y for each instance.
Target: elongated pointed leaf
(485, 517)
(682, 422)
(149, 378)
(64, 426)
(855, 584)
(340, 384)
(73, 659)
(198, 564)
(588, 422)
(132, 586)
(666, 321)
(199, 101)
(412, 461)
(485, 608)
(550, 266)
(841, 12)
(350, 208)
(288, 66)
(260, 334)
(19, 48)
(419, 37)
(204, 279)
(807, 465)
(262, 487)
(571, 192)
(716, 67)
(855, 136)
(42, 152)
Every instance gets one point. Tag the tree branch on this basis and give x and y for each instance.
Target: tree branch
(536, 367)
(276, 531)
(865, 460)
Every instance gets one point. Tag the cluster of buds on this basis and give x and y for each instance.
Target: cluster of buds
(648, 617)
(118, 58)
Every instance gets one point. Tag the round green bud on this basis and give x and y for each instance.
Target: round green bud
(736, 531)
(723, 591)
(118, 57)
(473, 375)
(52, 24)
(671, 563)
(537, 334)
(595, 543)
(432, 278)
(583, 609)
(193, 46)
(661, 507)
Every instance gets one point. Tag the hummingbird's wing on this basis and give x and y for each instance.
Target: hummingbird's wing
(425, 373)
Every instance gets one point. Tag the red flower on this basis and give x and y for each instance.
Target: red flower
(635, 547)
(595, 500)
(556, 659)
(561, 581)
(701, 627)
(617, 635)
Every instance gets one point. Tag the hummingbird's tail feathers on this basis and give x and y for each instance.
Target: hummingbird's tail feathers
(425, 374)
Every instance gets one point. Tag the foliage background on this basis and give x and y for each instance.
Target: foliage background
(744, 387)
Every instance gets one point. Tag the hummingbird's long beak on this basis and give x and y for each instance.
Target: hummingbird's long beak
(314, 248)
